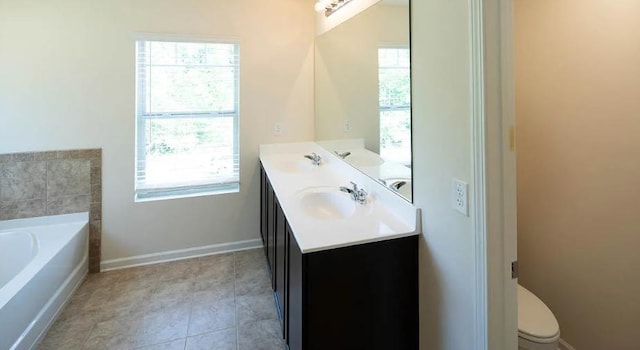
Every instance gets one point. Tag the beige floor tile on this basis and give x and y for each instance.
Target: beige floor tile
(258, 307)
(261, 335)
(67, 334)
(155, 307)
(177, 270)
(98, 298)
(212, 312)
(216, 291)
(116, 334)
(255, 281)
(253, 258)
(169, 295)
(162, 326)
(220, 340)
(214, 270)
(123, 304)
(96, 281)
(137, 273)
(172, 345)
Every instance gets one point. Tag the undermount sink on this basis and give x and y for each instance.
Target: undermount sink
(326, 203)
(294, 165)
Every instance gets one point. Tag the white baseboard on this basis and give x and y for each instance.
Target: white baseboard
(565, 346)
(180, 254)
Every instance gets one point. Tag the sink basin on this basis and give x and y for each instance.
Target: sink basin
(326, 203)
(294, 165)
(364, 160)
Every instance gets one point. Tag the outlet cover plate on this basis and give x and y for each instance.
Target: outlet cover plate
(277, 129)
(459, 196)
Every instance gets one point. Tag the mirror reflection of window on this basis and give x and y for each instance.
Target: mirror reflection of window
(395, 104)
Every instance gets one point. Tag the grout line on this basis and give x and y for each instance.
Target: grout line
(191, 302)
(46, 186)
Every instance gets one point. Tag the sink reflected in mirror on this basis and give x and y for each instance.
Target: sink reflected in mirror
(400, 186)
(364, 159)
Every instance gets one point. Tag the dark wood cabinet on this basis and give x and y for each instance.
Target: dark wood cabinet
(281, 264)
(296, 282)
(363, 296)
(358, 297)
(268, 222)
(263, 207)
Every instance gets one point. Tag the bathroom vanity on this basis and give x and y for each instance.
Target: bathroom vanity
(344, 274)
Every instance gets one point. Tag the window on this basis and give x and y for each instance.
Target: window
(186, 119)
(395, 104)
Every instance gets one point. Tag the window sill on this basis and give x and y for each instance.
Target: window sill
(187, 193)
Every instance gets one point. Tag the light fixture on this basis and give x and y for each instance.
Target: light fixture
(330, 6)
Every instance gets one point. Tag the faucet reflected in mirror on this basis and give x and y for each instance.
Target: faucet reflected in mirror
(342, 155)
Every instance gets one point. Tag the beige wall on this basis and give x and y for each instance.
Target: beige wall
(346, 73)
(442, 150)
(67, 81)
(578, 117)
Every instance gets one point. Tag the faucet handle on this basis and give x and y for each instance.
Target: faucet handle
(355, 186)
(362, 196)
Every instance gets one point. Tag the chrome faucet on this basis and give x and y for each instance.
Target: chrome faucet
(357, 194)
(342, 155)
(314, 158)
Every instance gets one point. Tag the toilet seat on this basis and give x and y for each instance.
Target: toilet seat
(536, 322)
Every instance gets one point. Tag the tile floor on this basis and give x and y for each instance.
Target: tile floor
(217, 302)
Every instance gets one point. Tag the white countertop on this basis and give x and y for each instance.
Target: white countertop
(385, 216)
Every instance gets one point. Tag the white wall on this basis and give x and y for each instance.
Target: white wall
(578, 152)
(442, 150)
(67, 81)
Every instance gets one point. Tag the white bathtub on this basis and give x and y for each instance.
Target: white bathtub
(42, 261)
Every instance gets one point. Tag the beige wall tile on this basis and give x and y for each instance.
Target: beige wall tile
(68, 177)
(22, 181)
(23, 209)
(66, 205)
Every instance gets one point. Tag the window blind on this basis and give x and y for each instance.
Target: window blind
(186, 118)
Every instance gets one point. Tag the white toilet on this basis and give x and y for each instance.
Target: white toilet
(538, 329)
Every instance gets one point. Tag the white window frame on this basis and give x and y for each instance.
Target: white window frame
(190, 189)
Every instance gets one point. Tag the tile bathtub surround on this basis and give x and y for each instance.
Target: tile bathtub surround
(54, 182)
(215, 302)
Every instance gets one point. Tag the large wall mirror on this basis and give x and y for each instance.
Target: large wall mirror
(363, 93)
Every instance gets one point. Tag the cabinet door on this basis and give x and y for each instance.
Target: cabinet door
(281, 266)
(263, 206)
(270, 248)
(295, 310)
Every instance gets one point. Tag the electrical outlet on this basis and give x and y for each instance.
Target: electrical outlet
(277, 129)
(347, 125)
(459, 202)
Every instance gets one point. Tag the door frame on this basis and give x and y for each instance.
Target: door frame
(494, 173)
